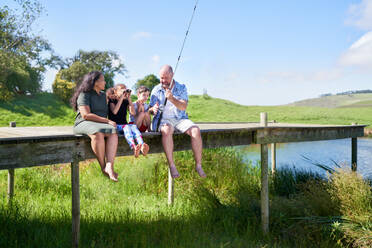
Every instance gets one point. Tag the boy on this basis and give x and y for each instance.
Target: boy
(142, 117)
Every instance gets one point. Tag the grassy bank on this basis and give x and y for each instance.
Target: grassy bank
(220, 211)
(46, 110)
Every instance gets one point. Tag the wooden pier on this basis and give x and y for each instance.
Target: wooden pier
(22, 147)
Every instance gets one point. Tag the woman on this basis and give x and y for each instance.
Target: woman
(89, 100)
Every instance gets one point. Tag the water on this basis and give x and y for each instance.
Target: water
(290, 154)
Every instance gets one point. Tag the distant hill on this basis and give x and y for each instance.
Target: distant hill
(337, 101)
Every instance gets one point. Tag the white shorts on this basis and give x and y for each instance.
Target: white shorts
(181, 125)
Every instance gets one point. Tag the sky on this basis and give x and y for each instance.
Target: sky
(250, 52)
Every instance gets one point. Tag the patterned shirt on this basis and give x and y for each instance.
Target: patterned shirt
(179, 92)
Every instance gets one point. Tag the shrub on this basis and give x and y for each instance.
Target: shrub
(63, 88)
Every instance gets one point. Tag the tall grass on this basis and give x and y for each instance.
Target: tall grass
(222, 210)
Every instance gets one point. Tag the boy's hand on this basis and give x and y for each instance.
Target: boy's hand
(155, 108)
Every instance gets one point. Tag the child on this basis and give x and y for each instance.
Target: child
(141, 117)
(119, 102)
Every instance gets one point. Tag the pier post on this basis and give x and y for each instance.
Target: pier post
(170, 188)
(264, 180)
(354, 152)
(273, 156)
(75, 188)
(11, 174)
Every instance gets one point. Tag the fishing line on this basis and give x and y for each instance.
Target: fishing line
(178, 60)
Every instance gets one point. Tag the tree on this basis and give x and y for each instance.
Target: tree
(24, 56)
(108, 62)
(150, 81)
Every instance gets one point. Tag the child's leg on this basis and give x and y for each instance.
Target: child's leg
(128, 136)
(147, 119)
(136, 134)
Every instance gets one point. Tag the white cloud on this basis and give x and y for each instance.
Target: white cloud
(141, 35)
(360, 15)
(155, 58)
(360, 53)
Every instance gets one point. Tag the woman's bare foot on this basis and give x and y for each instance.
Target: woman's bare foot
(145, 149)
(200, 171)
(109, 170)
(136, 150)
(173, 171)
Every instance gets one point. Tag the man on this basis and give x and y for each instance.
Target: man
(173, 118)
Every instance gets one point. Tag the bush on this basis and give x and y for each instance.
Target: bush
(355, 204)
(63, 88)
(5, 94)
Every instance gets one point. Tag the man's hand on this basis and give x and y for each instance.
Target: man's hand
(168, 94)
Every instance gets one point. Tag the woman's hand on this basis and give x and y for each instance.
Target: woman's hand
(112, 123)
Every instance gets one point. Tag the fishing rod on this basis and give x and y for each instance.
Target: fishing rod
(178, 60)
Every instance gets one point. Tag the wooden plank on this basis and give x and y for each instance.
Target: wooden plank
(297, 134)
(35, 154)
(182, 142)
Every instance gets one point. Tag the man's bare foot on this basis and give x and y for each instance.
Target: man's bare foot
(136, 150)
(200, 171)
(110, 172)
(145, 149)
(173, 171)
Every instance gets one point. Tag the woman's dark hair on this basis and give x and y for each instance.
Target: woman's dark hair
(86, 85)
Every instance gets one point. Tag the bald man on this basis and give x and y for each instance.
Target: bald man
(174, 118)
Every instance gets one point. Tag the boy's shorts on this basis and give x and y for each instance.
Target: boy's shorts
(142, 128)
(181, 125)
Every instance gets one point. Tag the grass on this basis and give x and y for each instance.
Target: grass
(336, 101)
(220, 211)
(46, 110)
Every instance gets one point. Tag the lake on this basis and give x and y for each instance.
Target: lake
(324, 152)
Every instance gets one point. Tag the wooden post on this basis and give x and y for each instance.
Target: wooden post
(264, 180)
(273, 158)
(11, 174)
(170, 188)
(75, 200)
(354, 152)
(263, 119)
(10, 184)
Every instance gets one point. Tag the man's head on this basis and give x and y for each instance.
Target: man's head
(166, 75)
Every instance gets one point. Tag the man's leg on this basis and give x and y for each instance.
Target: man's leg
(167, 140)
(197, 148)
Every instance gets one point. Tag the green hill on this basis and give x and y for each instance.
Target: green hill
(46, 110)
(337, 101)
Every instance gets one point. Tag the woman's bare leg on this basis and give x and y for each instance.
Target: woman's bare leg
(97, 142)
(111, 147)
